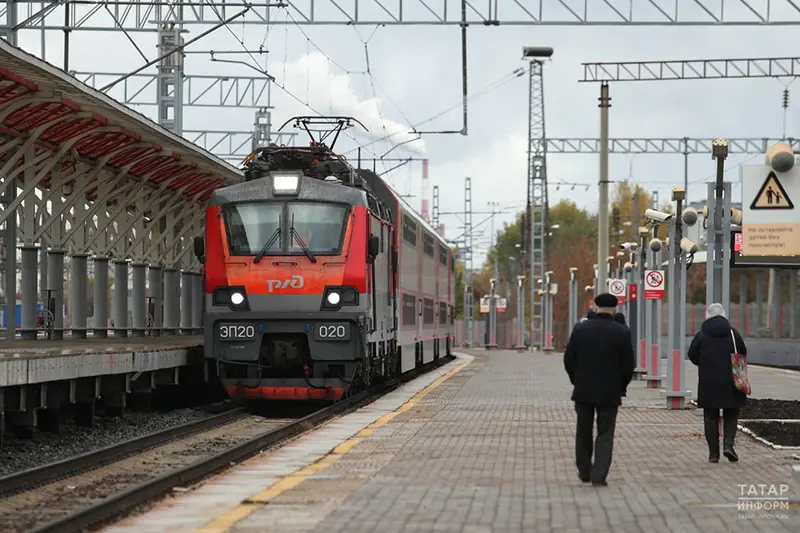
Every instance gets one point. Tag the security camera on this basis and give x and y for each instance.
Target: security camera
(688, 246)
(573, 269)
(780, 157)
(736, 217)
(689, 216)
(655, 245)
(634, 246)
(658, 217)
(628, 267)
(588, 288)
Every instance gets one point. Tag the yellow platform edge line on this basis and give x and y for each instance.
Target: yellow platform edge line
(230, 518)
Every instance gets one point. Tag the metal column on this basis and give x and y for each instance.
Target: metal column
(186, 302)
(675, 390)
(718, 273)
(30, 260)
(537, 198)
(79, 297)
(492, 316)
(156, 295)
(138, 300)
(775, 289)
(55, 286)
(9, 249)
(172, 308)
(602, 217)
(792, 304)
(573, 301)
(197, 303)
(654, 376)
(100, 314)
(120, 304)
(520, 313)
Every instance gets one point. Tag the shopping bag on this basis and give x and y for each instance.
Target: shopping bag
(739, 369)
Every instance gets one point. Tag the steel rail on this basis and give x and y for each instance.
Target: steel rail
(117, 504)
(47, 473)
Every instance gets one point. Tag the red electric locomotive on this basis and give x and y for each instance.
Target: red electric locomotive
(310, 290)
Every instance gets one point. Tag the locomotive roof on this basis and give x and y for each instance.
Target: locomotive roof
(261, 189)
(318, 161)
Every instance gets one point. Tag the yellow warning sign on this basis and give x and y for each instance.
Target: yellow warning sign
(772, 195)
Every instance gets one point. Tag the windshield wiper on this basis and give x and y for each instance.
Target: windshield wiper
(299, 240)
(269, 243)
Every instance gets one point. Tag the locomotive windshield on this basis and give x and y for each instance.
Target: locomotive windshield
(250, 226)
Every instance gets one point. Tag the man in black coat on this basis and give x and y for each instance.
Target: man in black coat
(600, 362)
(711, 351)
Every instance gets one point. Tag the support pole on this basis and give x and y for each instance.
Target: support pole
(792, 304)
(55, 283)
(573, 301)
(520, 313)
(654, 316)
(171, 301)
(642, 317)
(100, 315)
(30, 260)
(602, 217)
(120, 307)
(186, 302)
(139, 300)
(79, 295)
(719, 151)
(675, 392)
(156, 294)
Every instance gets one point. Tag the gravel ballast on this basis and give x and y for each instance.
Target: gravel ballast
(21, 454)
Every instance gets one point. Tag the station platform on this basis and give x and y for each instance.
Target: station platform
(26, 362)
(39, 377)
(485, 444)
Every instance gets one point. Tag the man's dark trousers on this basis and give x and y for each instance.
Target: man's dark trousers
(603, 446)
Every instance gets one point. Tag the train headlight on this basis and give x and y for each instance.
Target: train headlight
(285, 184)
(335, 298)
(233, 297)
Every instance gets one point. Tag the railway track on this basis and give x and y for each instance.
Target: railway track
(59, 500)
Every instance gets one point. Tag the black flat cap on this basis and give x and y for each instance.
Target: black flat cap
(605, 300)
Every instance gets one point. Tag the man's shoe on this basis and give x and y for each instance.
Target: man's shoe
(599, 484)
(584, 479)
(713, 458)
(731, 455)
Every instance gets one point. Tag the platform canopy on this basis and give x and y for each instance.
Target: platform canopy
(62, 122)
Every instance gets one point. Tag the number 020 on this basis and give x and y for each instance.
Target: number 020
(331, 331)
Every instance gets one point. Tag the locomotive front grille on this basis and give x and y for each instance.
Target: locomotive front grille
(284, 355)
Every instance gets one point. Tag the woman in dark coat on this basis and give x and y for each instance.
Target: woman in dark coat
(711, 351)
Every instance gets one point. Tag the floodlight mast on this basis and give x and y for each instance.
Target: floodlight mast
(536, 213)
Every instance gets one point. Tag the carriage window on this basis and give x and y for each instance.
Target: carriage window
(442, 254)
(409, 310)
(427, 245)
(427, 311)
(409, 231)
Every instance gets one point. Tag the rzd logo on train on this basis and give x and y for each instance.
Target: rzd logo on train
(296, 282)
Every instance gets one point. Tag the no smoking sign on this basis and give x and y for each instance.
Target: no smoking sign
(653, 284)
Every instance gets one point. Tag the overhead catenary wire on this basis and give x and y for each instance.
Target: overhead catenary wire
(280, 85)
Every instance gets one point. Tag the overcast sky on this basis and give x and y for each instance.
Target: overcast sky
(416, 74)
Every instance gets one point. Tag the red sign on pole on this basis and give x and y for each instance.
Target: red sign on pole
(633, 292)
(654, 285)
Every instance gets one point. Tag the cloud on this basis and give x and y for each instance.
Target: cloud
(310, 79)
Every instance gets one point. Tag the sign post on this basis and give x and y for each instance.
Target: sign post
(654, 296)
(770, 222)
(617, 287)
